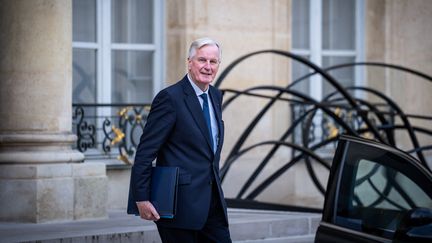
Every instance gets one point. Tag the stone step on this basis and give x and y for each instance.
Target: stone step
(288, 239)
(245, 226)
(259, 225)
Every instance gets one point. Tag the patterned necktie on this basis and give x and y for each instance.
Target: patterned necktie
(207, 116)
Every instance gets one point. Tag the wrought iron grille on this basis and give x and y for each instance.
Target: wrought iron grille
(307, 132)
(109, 131)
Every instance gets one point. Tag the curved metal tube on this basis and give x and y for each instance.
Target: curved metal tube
(308, 63)
(383, 132)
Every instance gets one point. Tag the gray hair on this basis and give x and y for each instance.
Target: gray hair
(197, 44)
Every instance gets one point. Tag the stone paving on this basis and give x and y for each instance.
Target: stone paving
(245, 226)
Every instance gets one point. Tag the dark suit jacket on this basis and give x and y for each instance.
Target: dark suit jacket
(176, 134)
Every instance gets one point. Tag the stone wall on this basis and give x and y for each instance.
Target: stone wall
(395, 32)
(399, 32)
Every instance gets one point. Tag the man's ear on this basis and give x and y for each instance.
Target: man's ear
(189, 63)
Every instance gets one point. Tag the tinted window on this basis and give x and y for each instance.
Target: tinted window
(377, 189)
(385, 188)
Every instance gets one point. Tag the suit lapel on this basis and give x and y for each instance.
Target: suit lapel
(195, 109)
(217, 109)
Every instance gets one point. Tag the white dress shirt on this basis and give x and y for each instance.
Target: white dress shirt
(213, 122)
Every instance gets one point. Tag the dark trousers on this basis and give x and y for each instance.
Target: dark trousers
(215, 229)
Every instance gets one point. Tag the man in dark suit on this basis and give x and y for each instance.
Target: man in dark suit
(185, 129)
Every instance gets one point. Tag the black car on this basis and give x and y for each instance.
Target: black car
(376, 193)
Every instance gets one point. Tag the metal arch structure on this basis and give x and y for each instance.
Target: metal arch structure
(341, 112)
(380, 124)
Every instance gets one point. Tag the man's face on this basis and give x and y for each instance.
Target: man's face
(204, 65)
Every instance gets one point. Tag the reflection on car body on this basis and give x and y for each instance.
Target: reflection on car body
(376, 193)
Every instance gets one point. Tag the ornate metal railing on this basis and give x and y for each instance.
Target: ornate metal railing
(109, 131)
(320, 127)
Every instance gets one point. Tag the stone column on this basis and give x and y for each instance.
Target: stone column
(41, 177)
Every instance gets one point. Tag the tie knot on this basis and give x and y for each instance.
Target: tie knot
(204, 97)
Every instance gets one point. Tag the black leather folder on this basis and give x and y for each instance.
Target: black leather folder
(164, 186)
(163, 194)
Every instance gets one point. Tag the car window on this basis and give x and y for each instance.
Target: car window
(385, 188)
(376, 191)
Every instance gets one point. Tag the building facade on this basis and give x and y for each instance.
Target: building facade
(60, 53)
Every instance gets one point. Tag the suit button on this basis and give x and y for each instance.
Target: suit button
(210, 182)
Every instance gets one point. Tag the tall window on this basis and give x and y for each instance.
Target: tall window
(117, 50)
(327, 32)
(117, 59)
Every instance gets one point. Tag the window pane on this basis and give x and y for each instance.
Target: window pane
(84, 20)
(345, 76)
(299, 70)
(338, 25)
(373, 179)
(84, 76)
(132, 21)
(300, 24)
(132, 74)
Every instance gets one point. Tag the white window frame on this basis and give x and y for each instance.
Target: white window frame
(104, 47)
(316, 52)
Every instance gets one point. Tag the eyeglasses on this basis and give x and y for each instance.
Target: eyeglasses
(203, 61)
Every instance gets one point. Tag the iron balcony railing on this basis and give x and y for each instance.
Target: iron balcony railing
(112, 131)
(109, 131)
(314, 128)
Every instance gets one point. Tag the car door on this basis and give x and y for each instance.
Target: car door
(376, 193)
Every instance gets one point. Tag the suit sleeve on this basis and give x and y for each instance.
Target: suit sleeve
(159, 124)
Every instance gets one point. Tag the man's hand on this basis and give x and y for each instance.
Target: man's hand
(147, 211)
